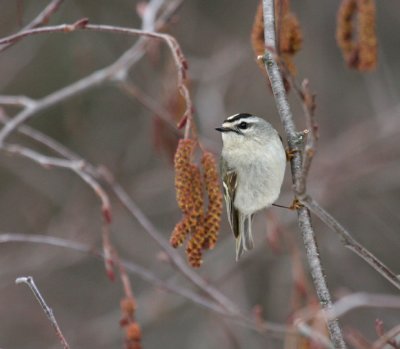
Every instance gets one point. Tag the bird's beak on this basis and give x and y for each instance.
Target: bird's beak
(223, 129)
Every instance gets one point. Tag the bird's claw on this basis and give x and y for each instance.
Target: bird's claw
(290, 153)
(295, 204)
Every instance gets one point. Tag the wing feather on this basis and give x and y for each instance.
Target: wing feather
(229, 180)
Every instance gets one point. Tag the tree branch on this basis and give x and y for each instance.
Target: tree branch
(74, 165)
(115, 71)
(350, 242)
(98, 76)
(148, 276)
(225, 308)
(47, 310)
(133, 268)
(304, 218)
(41, 18)
(93, 172)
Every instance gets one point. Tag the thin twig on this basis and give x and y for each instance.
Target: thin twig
(133, 268)
(308, 103)
(87, 171)
(226, 309)
(308, 331)
(18, 101)
(131, 90)
(74, 165)
(357, 340)
(174, 257)
(304, 218)
(115, 71)
(386, 338)
(349, 303)
(350, 242)
(40, 19)
(47, 310)
(362, 300)
(169, 286)
(51, 99)
(63, 28)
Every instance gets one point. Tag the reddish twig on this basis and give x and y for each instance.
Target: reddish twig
(387, 338)
(47, 310)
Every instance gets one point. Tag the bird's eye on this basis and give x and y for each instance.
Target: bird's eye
(243, 125)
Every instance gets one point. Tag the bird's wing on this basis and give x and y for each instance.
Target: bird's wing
(229, 180)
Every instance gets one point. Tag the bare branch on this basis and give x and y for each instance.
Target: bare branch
(114, 71)
(127, 202)
(310, 333)
(175, 258)
(304, 218)
(74, 165)
(350, 242)
(362, 300)
(18, 101)
(41, 18)
(170, 286)
(47, 310)
(98, 76)
(65, 28)
(133, 268)
(308, 103)
(133, 91)
(226, 309)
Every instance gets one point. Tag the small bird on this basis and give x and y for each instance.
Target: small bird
(253, 162)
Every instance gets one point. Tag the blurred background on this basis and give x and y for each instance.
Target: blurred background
(355, 174)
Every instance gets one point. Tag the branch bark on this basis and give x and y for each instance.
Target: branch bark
(292, 136)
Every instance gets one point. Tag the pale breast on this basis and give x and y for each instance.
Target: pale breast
(260, 181)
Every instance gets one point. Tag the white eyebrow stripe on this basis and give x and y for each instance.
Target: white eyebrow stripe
(250, 120)
(232, 116)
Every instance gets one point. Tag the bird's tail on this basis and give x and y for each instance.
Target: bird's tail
(244, 241)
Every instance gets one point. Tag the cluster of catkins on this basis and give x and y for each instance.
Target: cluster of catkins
(356, 35)
(199, 226)
(133, 333)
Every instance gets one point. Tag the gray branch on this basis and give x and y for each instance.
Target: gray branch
(292, 136)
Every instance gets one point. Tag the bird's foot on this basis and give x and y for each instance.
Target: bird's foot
(295, 204)
(290, 153)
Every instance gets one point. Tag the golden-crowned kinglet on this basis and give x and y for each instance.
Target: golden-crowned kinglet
(253, 162)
